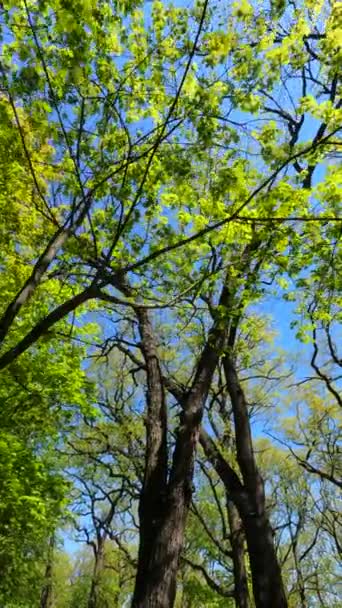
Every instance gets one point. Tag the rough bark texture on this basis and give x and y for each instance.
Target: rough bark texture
(241, 593)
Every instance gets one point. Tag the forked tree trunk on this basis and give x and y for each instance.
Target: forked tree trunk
(165, 501)
(166, 535)
(158, 590)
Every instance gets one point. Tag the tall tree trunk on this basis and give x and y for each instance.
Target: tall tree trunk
(153, 496)
(268, 587)
(47, 591)
(266, 575)
(94, 594)
(165, 502)
(249, 496)
(241, 592)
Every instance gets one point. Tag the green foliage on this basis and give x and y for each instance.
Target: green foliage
(31, 501)
(122, 135)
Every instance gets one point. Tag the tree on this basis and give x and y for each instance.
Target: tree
(34, 401)
(164, 140)
(101, 499)
(88, 92)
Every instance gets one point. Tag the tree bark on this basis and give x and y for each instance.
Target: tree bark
(165, 501)
(153, 496)
(268, 587)
(47, 591)
(241, 592)
(94, 594)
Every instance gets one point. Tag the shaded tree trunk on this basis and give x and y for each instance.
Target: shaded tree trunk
(241, 592)
(268, 587)
(46, 595)
(266, 574)
(153, 496)
(94, 594)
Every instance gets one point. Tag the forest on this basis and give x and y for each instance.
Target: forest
(170, 304)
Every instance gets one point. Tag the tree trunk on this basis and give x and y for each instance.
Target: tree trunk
(94, 594)
(153, 495)
(268, 587)
(165, 503)
(241, 593)
(46, 596)
(158, 590)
